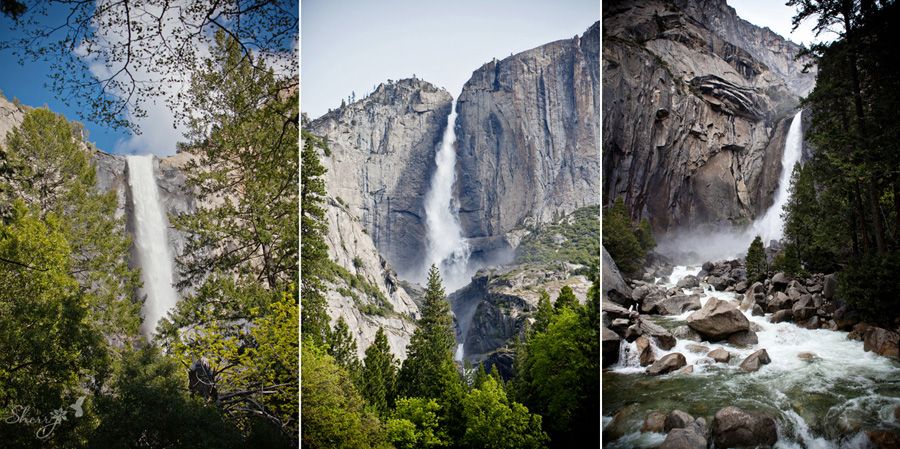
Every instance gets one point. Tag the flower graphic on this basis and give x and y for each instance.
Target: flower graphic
(59, 415)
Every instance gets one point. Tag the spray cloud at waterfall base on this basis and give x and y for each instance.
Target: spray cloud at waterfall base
(151, 243)
(698, 246)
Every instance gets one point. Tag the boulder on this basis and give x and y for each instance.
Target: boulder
(884, 439)
(684, 332)
(717, 320)
(757, 310)
(781, 316)
(733, 427)
(689, 281)
(720, 355)
(667, 364)
(859, 332)
(830, 286)
(677, 419)
(743, 339)
(672, 305)
(807, 356)
(779, 301)
(719, 283)
(780, 281)
(740, 287)
(641, 292)
(755, 361)
(616, 311)
(655, 422)
(684, 439)
(689, 369)
(643, 326)
(882, 342)
(804, 308)
(700, 349)
(619, 325)
(610, 347)
(645, 350)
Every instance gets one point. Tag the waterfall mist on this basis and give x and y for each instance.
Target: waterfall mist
(697, 246)
(151, 242)
(446, 246)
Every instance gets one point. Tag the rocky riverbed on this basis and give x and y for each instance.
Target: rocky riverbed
(781, 363)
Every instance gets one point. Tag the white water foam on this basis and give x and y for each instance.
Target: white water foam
(446, 246)
(151, 243)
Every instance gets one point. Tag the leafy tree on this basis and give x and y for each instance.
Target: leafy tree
(494, 421)
(379, 374)
(147, 406)
(334, 414)
(415, 423)
(757, 266)
(871, 287)
(621, 239)
(143, 46)
(49, 348)
(50, 170)
(566, 298)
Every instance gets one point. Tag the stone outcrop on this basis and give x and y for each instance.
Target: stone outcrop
(614, 287)
(529, 139)
(693, 123)
(381, 161)
(717, 320)
(733, 427)
(667, 364)
(882, 341)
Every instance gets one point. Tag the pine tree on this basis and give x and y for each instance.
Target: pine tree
(544, 313)
(566, 298)
(429, 371)
(379, 374)
(342, 346)
(756, 264)
(314, 251)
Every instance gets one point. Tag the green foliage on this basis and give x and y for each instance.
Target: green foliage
(871, 287)
(788, 261)
(494, 421)
(428, 370)
(626, 241)
(375, 304)
(342, 346)
(415, 424)
(574, 239)
(148, 407)
(334, 414)
(379, 374)
(757, 266)
(544, 312)
(314, 252)
(566, 298)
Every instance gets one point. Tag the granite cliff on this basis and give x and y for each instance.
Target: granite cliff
(696, 107)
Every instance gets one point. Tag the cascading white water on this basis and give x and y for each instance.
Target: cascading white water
(771, 225)
(151, 242)
(446, 246)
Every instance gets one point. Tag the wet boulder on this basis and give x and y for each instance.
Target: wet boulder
(677, 419)
(692, 436)
(717, 320)
(645, 350)
(755, 361)
(667, 364)
(778, 301)
(882, 342)
(781, 316)
(804, 308)
(700, 349)
(655, 422)
(689, 281)
(830, 286)
(736, 428)
(684, 332)
(672, 305)
(643, 326)
(757, 310)
(610, 347)
(743, 339)
(884, 439)
(719, 283)
(780, 281)
(720, 355)
(859, 332)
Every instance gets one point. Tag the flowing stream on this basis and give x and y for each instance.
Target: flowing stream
(827, 401)
(446, 246)
(151, 242)
(824, 403)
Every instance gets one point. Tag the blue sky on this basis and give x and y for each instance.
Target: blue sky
(353, 45)
(28, 83)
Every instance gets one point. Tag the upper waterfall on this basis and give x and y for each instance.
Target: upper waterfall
(446, 246)
(151, 242)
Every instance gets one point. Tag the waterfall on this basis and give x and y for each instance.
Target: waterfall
(446, 246)
(151, 243)
(771, 226)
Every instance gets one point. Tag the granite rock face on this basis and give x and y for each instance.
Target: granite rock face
(529, 139)
(694, 121)
(381, 162)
